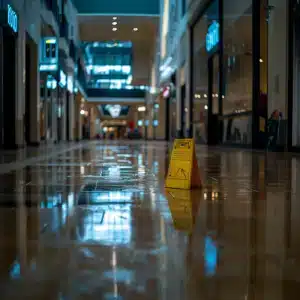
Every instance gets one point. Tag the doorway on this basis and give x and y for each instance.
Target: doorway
(213, 100)
(8, 89)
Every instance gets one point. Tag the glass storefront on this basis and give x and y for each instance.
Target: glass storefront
(223, 71)
(237, 61)
(210, 19)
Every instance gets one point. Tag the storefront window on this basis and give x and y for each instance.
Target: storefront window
(237, 56)
(238, 71)
(203, 47)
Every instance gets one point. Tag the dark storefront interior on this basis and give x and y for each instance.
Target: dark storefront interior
(8, 82)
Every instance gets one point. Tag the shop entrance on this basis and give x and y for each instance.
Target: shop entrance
(213, 100)
(8, 88)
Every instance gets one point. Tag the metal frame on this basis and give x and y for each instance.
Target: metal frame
(290, 79)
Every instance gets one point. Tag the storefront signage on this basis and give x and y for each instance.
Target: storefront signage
(52, 67)
(212, 36)
(48, 54)
(12, 18)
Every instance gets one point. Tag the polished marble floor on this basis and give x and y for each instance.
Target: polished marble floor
(93, 221)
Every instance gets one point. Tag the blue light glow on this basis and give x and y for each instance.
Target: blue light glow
(210, 256)
(12, 18)
(212, 36)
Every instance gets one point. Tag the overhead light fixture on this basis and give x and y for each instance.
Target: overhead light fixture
(115, 18)
(142, 108)
(115, 29)
(135, 29)
(114, 23)
(205, 107)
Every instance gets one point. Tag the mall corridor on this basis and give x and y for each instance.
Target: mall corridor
(92, 220)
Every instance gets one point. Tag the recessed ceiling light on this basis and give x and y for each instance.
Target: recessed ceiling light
(115, 29)
(114, 23)
(135, 29)
(114, 18)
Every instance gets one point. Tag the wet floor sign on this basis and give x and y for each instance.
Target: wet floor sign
(183, 170)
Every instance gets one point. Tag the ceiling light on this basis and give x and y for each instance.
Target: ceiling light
(115, 29)
(142, 108)
(114, 23)
(261, 60)
(114, 18)
(205, 107)
(135, 29)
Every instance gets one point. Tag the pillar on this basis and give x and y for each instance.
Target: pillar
(53, 107)
(35, 134)
(20, 84)
(64, 115)
(178, 102)
(71, 117)
(78, 122)
(188, 86)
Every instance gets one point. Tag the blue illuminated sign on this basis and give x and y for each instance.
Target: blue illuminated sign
(12, 18)
(212, 36)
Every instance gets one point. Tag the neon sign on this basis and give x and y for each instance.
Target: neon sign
(12, 18)
(212, 36)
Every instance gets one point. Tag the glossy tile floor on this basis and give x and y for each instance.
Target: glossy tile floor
(95, 222)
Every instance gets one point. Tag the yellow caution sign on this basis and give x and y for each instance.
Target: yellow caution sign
(183, 170)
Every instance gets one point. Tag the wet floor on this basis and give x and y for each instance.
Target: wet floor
(95, 222)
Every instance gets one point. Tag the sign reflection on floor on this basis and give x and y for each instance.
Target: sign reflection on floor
(184, 205)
